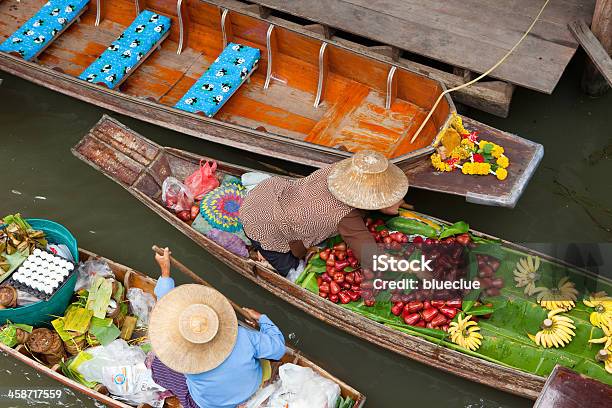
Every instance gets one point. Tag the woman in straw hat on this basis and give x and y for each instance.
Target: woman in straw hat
(202, 355)
(284, 216)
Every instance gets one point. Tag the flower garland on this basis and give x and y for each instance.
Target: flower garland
(460, 149)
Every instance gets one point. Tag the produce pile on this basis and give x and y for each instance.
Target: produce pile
(532, 324)
(18, 242)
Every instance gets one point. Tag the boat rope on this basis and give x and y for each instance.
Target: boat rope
(484, 74)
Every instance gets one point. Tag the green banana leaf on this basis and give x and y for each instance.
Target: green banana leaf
(99, 296)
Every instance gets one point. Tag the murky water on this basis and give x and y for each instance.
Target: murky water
(569, 200)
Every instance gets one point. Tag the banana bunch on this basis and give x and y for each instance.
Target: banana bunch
(557, 330)
(605, 356)
(607, 338)
(464, 333)
(525, 273)
(602, 305)
(562, 297)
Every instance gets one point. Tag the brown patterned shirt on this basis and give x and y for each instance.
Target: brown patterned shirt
(280, 210)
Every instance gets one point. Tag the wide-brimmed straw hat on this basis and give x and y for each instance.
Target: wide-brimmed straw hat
(193, 329)
(367, 181)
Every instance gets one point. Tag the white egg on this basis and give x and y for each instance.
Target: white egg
(37, 251)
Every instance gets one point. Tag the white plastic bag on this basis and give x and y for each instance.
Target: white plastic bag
(141, 304)
(90, 270)
(121, 368)
(301, 387)
(61, 250)
(251, 179)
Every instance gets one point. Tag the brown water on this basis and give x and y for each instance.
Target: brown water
(569, 200)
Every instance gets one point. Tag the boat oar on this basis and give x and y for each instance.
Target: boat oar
(200, 280)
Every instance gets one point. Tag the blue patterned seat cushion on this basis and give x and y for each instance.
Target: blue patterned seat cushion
(42, 29)
(125, 52)
(220, 80)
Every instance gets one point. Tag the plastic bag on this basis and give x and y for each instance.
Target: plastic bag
(301, 387)
(61, 250)
(90, 270)
(176, 196)
(229, 241)
(251, 179)
(141, 305)
(202, 180)
(121, 368)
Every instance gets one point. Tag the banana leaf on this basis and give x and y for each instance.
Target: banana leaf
(104, 330)
(58, 325)
(99, 296)
(310, 283)
(14, 260)
(77, 319)
(71, 368)
(460, 227)
(8, 336)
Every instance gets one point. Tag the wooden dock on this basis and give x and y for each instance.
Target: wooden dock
(466, 36)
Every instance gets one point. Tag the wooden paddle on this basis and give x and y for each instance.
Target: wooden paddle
(200, 280)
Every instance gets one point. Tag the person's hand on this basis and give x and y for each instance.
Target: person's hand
(253, 314)
(164, 262)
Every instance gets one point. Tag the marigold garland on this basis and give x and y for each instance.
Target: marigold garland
(480, 157)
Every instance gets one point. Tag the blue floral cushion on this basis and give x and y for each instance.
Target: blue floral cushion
(125, 52)
(40, 30)
(220, 80)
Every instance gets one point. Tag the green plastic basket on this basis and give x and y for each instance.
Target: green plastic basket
(41, 313)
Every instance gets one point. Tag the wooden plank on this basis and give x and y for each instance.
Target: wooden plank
(593, 48)
(567, 389)
(450, 31)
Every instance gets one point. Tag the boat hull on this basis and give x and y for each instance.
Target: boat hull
(140, 166)
(132, 278)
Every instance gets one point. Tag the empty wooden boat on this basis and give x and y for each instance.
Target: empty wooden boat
(135, 279)
(141, 166)
(294, 96)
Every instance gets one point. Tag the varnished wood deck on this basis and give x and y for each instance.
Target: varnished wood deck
(471, 34)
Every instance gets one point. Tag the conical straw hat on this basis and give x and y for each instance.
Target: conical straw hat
(367, 181)
(193, 329)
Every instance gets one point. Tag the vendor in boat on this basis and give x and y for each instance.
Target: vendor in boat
(283, 217)
(202, 355)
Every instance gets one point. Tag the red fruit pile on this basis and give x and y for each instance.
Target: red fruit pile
(487, 266)
(341, 282)
(433, 314)
(390, 240)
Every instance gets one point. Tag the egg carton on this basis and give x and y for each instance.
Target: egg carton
(42, 274)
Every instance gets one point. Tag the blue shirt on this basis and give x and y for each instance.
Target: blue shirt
(238, 377)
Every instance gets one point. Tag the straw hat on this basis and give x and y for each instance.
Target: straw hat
(193, 329)
(367, 181)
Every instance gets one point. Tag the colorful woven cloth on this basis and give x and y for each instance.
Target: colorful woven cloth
(33, 36)
(220, 208)
(220, 80)
(125, 52)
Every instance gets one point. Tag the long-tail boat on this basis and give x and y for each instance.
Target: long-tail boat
(134, 279)
(141, 166)
(229, 77)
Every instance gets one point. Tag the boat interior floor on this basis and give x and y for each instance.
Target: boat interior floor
(351, 115)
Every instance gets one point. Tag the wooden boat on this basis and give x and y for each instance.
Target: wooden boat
(135, 279)
(567, 389)
(311, 100)
(141, 166)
